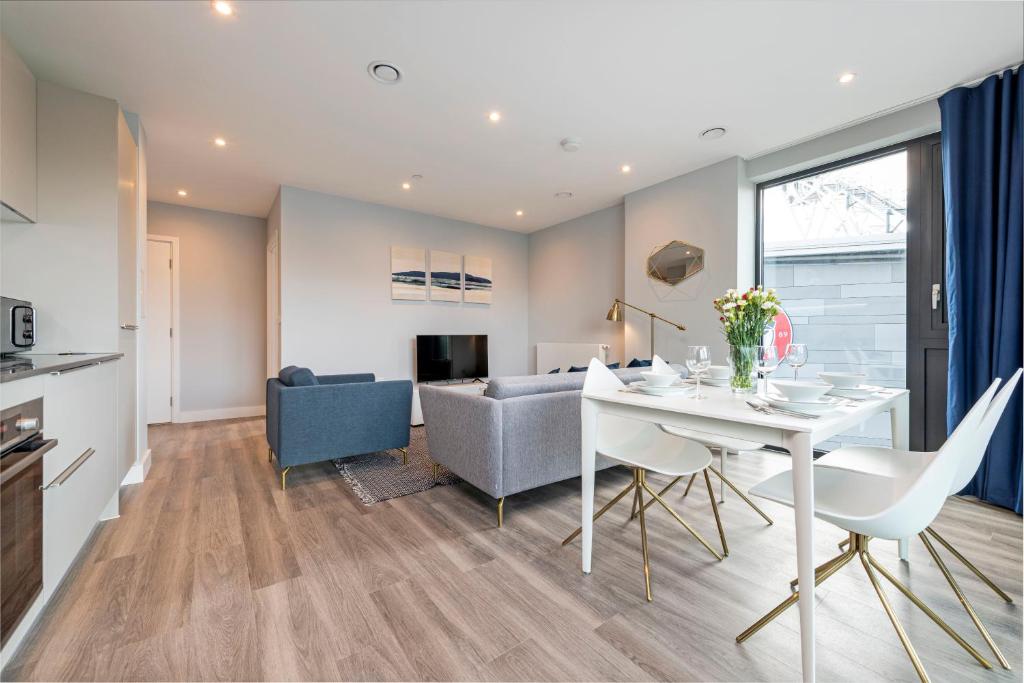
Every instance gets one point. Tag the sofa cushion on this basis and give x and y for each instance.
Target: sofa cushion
(637, 363)
(509, 387)
(293, 376)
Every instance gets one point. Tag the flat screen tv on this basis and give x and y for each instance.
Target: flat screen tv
(450, 356)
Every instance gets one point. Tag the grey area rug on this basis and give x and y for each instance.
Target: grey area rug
(376, 477)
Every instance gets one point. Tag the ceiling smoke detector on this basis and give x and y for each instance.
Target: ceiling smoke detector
(384, 72)
(571, 144)
(564, 195)
(712, 133)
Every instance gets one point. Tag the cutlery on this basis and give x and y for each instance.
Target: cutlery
(770, 410)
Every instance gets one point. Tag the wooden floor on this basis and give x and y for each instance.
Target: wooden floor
(212, 572)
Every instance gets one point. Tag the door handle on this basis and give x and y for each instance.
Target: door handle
(71, 469)
(129, 326)
(936, 295)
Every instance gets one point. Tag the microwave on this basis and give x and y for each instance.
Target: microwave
(18, 325)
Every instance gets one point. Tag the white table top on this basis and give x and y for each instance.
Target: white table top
(723, 405)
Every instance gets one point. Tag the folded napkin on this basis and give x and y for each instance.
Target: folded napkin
(661, 367)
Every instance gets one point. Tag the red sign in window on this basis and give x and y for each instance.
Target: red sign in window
(779, 333)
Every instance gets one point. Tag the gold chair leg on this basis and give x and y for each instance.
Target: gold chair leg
(689, 485)
(434, 467)
(270, 455)
(641, 483)
(718, 519)
(977, 572)
(284, 477)
(963, 601)
(501, 511)
(823, 567)
(679, 519)
(904, 639)
(820, 574)
(924, 608)
(405, 455)
(662, 492)
(742, 495)
(631, 487)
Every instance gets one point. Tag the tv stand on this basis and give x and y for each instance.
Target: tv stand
(477, 386)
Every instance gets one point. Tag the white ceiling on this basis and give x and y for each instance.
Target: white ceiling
(286, 84)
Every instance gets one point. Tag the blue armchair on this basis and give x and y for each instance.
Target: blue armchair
(312, 419)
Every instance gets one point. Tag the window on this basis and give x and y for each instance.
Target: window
(833, 243)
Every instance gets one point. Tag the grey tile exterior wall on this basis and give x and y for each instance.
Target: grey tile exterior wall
(850, 310)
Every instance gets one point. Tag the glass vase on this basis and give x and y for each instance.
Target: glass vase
(742, 361)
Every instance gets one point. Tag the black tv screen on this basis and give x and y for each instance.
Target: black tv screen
(450, 356)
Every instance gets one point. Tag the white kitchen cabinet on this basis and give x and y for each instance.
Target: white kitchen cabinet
(17, 136)
(81, 472)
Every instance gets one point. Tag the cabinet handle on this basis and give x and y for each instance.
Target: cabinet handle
(129, 326)
(65, 371)
(71, 469)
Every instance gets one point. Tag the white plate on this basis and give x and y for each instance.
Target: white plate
(714, 382)
(673, 390)
(824, 405)
(861, 391)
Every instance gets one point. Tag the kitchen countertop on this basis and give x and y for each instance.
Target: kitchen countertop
(32, 364)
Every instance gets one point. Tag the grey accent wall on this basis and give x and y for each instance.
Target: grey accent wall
(709, 208)
(222, 272)
(575, 274)
(336, 307)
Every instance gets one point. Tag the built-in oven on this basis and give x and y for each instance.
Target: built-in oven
(17, 325)
(22, 447)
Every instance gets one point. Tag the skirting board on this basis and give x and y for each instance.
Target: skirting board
(220, 414)
(137, 473)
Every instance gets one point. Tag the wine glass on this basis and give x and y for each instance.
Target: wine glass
(698, 360)
(796, 356)
(767, 361)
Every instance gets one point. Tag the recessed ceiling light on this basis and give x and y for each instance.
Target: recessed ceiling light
(223, 7)
(626, 168)
(406, 186)
(712, 133)
(220, 142)
(384, 72)
(847, 77)
(564, 195)
(182, 193)
(494, 116)
(570, 144)
(417, 176)
(519, 212)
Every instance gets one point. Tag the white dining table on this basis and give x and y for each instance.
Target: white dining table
(728, 414)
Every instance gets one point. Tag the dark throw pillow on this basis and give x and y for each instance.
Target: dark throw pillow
(293, 376)
(613, 366)
(637, 363)
(573, 368)
(555, 371)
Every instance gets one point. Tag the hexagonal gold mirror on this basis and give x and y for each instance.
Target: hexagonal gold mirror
(675, 262)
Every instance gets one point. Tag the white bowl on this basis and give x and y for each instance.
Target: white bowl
(801, 391)
(659, 379)
(843, 380)
(718, 372)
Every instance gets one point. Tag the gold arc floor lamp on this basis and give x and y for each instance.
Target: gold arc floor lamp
(615, 315)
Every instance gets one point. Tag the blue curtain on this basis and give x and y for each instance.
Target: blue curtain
(983, 180)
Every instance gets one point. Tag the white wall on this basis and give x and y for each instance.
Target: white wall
(702, 208)
(575, 274)
(222, 273)
(336, 307)
(66, 263)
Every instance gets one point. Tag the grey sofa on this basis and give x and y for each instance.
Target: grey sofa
(314, 418)
(524, 432)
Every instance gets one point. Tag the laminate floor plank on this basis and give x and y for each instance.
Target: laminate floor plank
(213, 573)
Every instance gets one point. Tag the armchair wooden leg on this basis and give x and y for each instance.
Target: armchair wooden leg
(270, 455)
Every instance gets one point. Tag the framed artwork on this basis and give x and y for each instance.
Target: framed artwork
(408, 274)
(478, 280)
(445, 276)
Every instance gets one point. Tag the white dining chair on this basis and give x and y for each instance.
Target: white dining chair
(872, 506)
(643, 447)
(896, 463)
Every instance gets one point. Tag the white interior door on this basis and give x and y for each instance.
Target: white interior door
(159, 304)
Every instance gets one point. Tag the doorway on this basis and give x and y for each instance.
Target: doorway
(162, 315)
